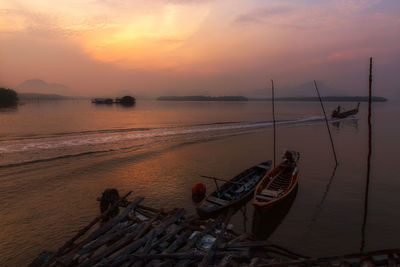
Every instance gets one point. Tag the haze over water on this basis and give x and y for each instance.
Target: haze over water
(57, 157)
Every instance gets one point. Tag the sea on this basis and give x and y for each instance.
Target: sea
(57, 157)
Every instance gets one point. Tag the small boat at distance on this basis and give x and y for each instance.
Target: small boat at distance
(278, 183)
(234, 192)
(338, 114)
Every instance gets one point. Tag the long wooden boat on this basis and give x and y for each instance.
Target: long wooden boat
(234, 192)
(278, 183)
(337, 114)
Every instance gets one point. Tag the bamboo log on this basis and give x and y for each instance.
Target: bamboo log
(281, 253)
(187, 255)
(151, 209)
(113, 248)
(227, 261)
(124, 255)
(254, 262)
(68, 258)
(81, 232)
(290, 252)
(112, 235)
(211, 252)
(125, 240)
(148, 225)
(172, 247)
(191, 243)
(176, 217)
(167, 237)
(239, 238)
(115, 220)
(86, 228)
(157, 231)
(178, 242)
(248, 244)
(167, 263)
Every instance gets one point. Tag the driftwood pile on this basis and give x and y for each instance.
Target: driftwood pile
(143, 236)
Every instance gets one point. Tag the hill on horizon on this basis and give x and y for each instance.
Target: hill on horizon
(42, 87)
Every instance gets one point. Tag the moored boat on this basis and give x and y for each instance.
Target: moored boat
(278, 183)
(338, 114)
(234, 192)
(102, 101)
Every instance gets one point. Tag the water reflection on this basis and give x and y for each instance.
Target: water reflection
(337, 125)
(321, 203)
(264, 224)
(8, 109)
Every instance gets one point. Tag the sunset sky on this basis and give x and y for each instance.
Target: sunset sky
(177, 47)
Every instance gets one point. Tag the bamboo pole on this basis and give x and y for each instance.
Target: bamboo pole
(369, 157)
(326, 120)
(273, 118)
(219, 179)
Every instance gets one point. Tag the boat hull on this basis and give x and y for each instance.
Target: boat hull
(278, 184)
(215, 203)
(341, 115)
(269, 206)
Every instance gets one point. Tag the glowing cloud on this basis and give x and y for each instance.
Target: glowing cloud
(149, 41)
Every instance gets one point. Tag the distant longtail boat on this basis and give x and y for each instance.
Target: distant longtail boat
(337, 114)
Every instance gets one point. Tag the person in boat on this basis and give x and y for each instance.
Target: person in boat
(336, 111)
(290, 155)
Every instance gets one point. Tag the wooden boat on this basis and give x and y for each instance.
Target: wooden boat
(337, 114)
(234, 192)
(278, 183)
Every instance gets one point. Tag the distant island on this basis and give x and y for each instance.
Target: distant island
(325, 98)
(38, 96)
(202, 98)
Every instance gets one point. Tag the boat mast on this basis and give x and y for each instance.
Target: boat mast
(273, 118)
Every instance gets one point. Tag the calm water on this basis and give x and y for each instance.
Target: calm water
(57, 157)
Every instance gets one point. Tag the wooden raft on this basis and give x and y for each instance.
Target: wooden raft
(144, 236)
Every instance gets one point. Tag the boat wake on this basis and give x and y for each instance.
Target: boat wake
(32, 149)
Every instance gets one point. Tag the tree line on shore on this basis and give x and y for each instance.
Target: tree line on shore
(8, 97)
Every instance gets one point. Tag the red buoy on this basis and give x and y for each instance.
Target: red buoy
(199, 189)
(198, 192)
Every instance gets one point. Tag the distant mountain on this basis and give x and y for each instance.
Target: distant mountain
(303, 90)
(40, 86)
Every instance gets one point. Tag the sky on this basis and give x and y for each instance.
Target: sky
(211, 47)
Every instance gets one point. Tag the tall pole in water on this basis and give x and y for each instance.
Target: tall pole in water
(273, 117)
(326, 120)
(369, 157)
